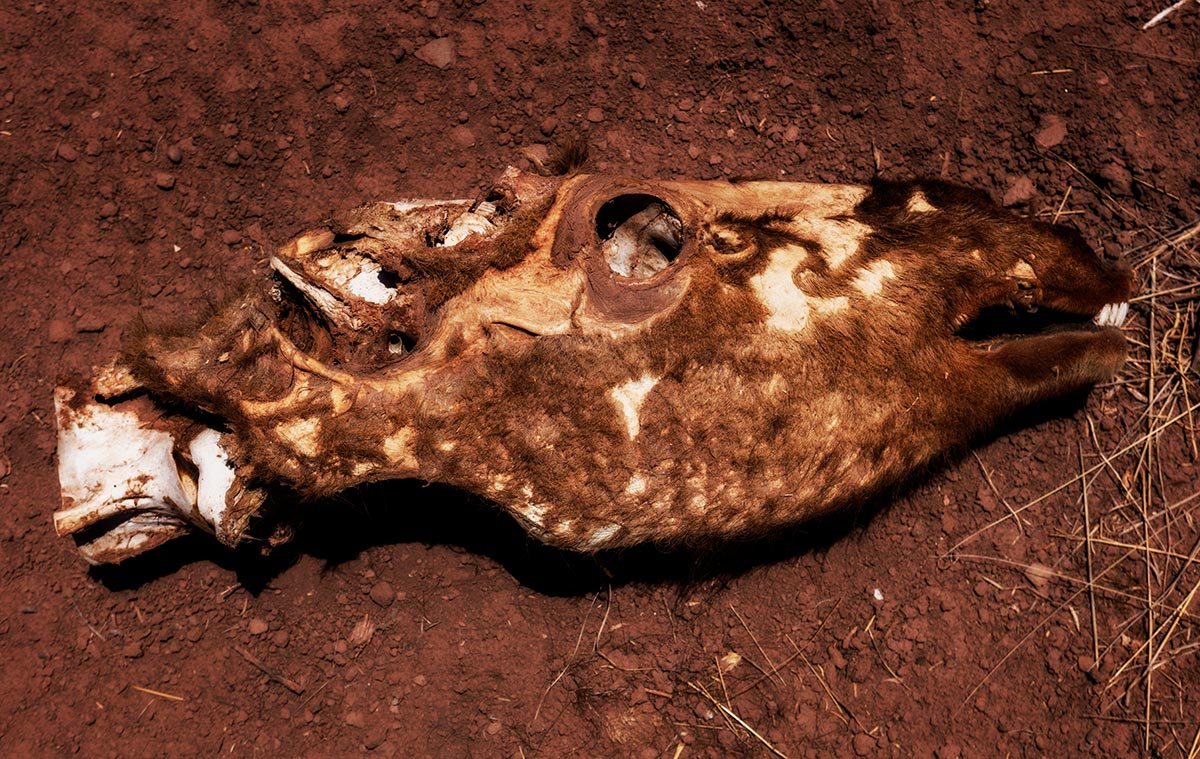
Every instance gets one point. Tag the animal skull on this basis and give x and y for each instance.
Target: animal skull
(611, 360)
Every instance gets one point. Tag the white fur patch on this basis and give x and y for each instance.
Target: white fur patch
(301, 435)
(839, 239)
(870, 278)
(599, 537)
(787, 307)
(629, 397)
(636, 485)
(828, 306)
(535, 514)
(398, 448)
(918, 203)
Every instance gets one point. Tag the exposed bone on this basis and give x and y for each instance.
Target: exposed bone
(611, 360)
(470, 223)
(325, 301)
(110, 465)
(636, 246)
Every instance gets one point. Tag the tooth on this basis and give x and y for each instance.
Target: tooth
(1112, 315)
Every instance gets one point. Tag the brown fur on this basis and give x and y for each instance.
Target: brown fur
(800, 355)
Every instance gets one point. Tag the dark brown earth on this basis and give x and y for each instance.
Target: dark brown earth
(152, 155)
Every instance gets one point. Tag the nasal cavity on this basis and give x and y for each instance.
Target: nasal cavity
(640, 235)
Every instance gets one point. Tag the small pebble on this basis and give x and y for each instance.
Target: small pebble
(164, 181)
(864, 744)
(257, 626)
(382, 593)
(1119, 179)
(439, 53)
(174, 154)
(67, 153)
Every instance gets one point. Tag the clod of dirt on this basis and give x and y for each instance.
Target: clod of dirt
(462, 136)
(60, 330)
(1051, 131)
(439, 53)
(1020, 191)
(1120, 181)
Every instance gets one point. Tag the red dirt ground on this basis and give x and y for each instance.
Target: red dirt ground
(152, 155)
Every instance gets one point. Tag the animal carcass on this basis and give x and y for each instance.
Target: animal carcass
(611, 360)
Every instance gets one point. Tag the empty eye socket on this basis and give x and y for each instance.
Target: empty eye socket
(640, 235)
(400, 343)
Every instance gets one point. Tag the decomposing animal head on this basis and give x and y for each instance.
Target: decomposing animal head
(611, 360)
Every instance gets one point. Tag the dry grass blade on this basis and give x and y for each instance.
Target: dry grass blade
(1131, 521)
(1194, 752)
(1161, 376)
(570, 660)
(772, 669)
(1091, 585)
(286, 682)
(1162, 15)
(730, 714)
(1140, 441)
(157, 693)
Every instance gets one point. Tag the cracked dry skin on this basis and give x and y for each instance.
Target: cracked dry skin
(611, 360)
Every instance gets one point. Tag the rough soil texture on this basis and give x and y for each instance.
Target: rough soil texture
(154, 153)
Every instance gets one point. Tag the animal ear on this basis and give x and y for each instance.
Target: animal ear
(1045, 366)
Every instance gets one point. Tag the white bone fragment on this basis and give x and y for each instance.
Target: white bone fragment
(329, 304)
(216, 476)
(109, 464)
(470, 223)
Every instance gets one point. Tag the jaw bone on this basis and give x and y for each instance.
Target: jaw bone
(124, 491)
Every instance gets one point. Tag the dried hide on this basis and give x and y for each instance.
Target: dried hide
(611, 360)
